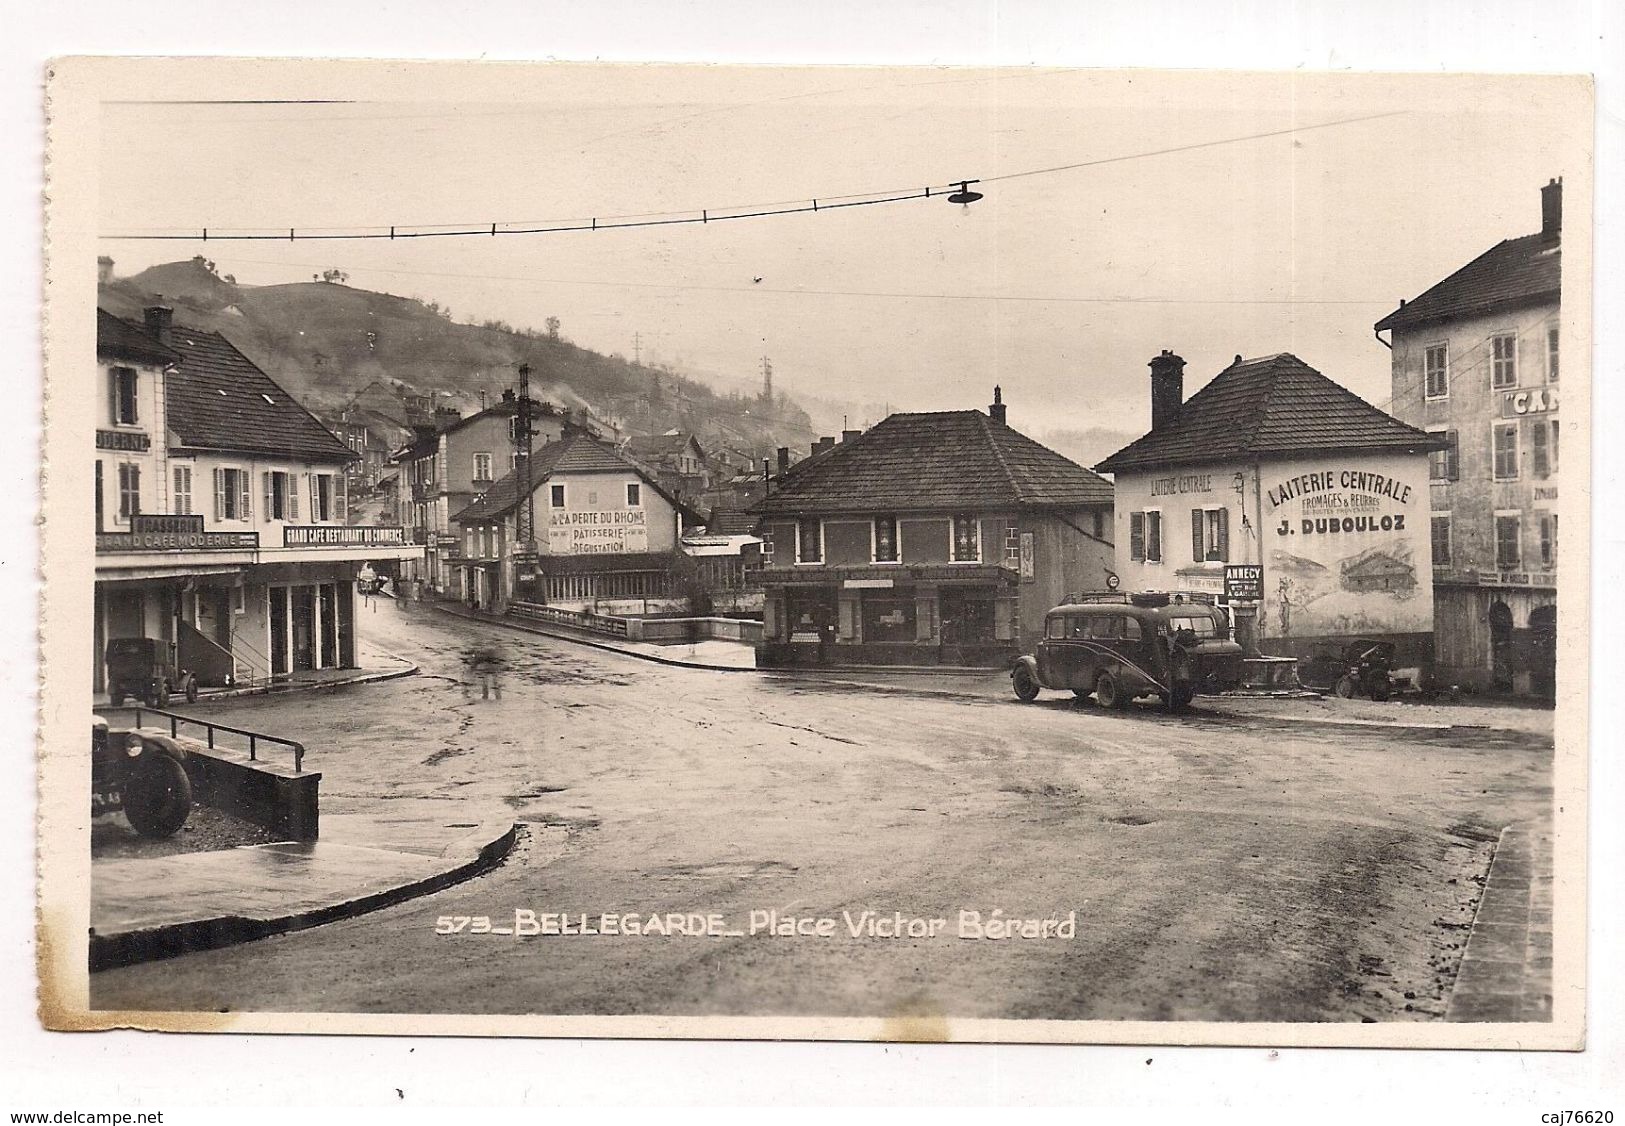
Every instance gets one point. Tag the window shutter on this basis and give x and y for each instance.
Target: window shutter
(1452, 456)
(112, 396)
(247, 510)
(135, 490)
(1224, 535)
(293, 497)
(339, 499)
(265, 479)
(1198, 552)
(219, 494)
(1136, 535)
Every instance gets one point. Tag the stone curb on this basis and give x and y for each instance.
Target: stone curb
(525, 627)
(279, 689)
(172, 939)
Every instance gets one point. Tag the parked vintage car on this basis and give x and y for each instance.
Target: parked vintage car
(141, 772)
(142, 667)
(1363, 667)
(1123, 646)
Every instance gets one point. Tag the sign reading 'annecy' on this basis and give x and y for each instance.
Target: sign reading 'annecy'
(597, 533)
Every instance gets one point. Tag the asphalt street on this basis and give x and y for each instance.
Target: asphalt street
(1211, 868)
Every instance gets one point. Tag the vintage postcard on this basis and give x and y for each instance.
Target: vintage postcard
(830, 553)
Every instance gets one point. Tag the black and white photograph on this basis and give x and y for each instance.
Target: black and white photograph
(839, 553)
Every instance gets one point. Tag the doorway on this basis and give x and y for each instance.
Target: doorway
(1543, 651)
(279, 630)
(303, 607)
(1500, 618)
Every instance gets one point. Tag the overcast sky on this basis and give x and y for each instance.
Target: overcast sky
(1059, 286)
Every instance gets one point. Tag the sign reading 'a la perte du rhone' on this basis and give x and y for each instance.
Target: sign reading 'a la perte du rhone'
(598, 533)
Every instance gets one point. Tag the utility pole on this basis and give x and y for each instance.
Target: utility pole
(526, 556)
(637, 348)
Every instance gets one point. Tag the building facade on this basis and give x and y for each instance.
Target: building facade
(606, 536)
(1476, 363)
(449, 465)
(937, 538)
(220, 511)
(1275, 467)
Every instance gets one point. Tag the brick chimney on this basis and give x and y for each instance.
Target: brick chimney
(995, 409)
(784, 459)
(1551, 208)
(848, 435)
(158, 319)
(1167, 389)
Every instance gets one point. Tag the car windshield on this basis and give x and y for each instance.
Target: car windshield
(1201, 627)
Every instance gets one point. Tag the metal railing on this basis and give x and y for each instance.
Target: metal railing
(594, 623)
(255, 738)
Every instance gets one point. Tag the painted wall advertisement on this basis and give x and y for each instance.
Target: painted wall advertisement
(1347, 547)
(604, 532)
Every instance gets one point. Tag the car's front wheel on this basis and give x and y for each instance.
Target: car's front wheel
(158, 796)
(1109, 693)
(191, 689)
(1348, 686)
(1024, 684)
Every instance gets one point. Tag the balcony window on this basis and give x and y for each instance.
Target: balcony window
(129, 490)
(1445, 464)
(1506, 451)
(1508, 545)
(1441, 540)
(183, 490)
(281, 491)
(1210, 535)
(323, 498)
(967, 541)
(1504, 361)
(1436, 371)
(124, 401)
(809, 541)
(886, 539)
(231, 498)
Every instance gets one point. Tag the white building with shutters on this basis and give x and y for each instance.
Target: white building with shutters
(221, 517)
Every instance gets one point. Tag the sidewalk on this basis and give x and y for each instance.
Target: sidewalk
(719, 656)
(142, 909)
(373, 664)
(1506, 970)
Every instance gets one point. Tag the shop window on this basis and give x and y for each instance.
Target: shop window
(1506, 451)
(809, 541)
(183, 490)
(889, 618)
(1436, 368)
(1445, 464)
(885, 539)
(967, 540)
(1508, 548)
(634, 495)
(1551, 354)
(124, 398)
(1441, 540)
(129, 490)
(1210, 535)
(1504, 361)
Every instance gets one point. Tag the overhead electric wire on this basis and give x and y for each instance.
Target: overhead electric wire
(805, 204)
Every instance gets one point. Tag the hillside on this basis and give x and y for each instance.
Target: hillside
(324, 341)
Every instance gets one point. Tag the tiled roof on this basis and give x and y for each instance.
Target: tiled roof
(1519, 271)
(1275, 406)
(120, 339)
(658, 445)
(574, 453)
(944, 461)
(218, 400)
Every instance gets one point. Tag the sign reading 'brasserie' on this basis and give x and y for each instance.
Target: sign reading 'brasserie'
(355, 535)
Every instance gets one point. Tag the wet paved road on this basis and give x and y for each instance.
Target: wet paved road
(1218, 869)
